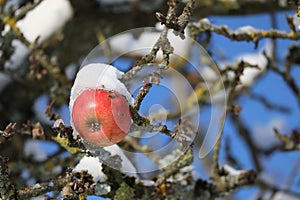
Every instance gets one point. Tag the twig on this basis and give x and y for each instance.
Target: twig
(171, 21)
(246, 135)
(215, 170)
(226, 183)
(290, 81)
(184, 160)
(141, 95)
(255, 35)
(36, 130)
(8, 132)
(146, 150)
(161, 44)
(42, 188)
(26, 9)
(178, 135)
(290, 143)
(216, 151)
(270, 105)
(65, 138)
(48, 111)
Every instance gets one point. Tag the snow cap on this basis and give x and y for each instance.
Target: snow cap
(99, 76)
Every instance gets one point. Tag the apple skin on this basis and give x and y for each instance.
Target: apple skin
(101, 117)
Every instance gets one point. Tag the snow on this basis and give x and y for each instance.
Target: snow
(57, 123)
(281, 195)
(246, 29)
(209, 74)
(127, 166)
(96, 76)
(147, 182)
(45, 19)
(232, 171)
(203, 22)
(21, 51)
(93, 166)
(282, 3)
(170, 158)
(33, 149)
(296, 21)
(250, 74)
(157, 114)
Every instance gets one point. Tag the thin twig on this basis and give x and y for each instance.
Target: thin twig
(255, 35)
(42, 188)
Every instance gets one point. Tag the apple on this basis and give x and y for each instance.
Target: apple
(101, 117)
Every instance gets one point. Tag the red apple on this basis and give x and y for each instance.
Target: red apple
(101, 117)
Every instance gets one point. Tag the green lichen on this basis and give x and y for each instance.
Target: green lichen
(125, 192)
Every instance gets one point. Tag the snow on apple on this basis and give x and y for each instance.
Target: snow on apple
(99, 105)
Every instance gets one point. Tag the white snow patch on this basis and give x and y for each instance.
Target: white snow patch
(99, 76)
(282, 195)
(204, 22)
(283, 3)
(209, 74)
(45, 19)
(250, 74)
(232, 171)
(21, 51)
(127, 167)
(93, 166)
(296, 21)
(33, 149)
(246, 29)
(57, 123)
(147, 182)
(170, 158)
